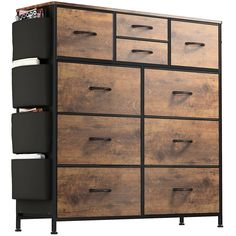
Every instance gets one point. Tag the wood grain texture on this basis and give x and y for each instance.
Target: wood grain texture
(161, 199)
(75, 200)
(192, 55)
(125, 22)
(161, 150)
(76, 45)
(74, 95)
(74, 146)
(63, 4)
(159, 100)
(125, 47)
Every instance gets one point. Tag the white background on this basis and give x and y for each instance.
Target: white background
(207, 9)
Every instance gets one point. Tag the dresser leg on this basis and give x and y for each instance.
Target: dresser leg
(220, 221)
(18, 223)
(181, 220)
(54, 226)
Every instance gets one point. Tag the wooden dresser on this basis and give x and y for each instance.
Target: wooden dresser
(131, 123)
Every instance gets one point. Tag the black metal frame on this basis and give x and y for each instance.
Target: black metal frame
(220, 217)
(53, 155)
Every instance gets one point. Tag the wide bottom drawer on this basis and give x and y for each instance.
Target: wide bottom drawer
(89, 192)
(181, 190)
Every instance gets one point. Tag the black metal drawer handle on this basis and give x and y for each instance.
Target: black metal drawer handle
(182, 189)
(89, 33)
(100, 190)
(106, 139)
(182, 93)
(142, 26)
(195, 43)
(141, 51)
(99, 88)
(182, 141)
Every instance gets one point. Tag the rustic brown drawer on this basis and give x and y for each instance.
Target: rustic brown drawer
(98, 89)
(98, 140)
(83, 33)
(181, 142)
(141, 51)
(174, 93)
(88, 192)
(194, 44)
(177, 190)
(141, 27)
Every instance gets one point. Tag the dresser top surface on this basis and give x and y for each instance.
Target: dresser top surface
(64, 4)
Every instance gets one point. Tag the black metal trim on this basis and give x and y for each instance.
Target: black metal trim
(137, 116)
(181, 118)
(137, 217)
(132, 166)
(54, 122)
(30, 217)
(182, 166)
(220, 218)
(96, 166)
(114, 36)
(98, 114)
(195, 21)
(169, 42)
(136, 64)
(142, 39)
(142, 150)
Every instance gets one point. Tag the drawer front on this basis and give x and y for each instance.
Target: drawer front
(98, 140)
(177, 190)
(88, 192)
(84, 34)
(194, 44)
(141, 51)
(141, 27)
(31, 179)
(98, 89)
(31, 132)
(173, 93)
(181, 142)
(32, 38)
(31, 86)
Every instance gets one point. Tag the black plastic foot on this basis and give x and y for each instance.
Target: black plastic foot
(220, 221)
(18, 223)
(54, 226)
(181, 221)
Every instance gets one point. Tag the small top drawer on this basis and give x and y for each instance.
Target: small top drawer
(141, 27)
(85, 34)
(194, 45)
